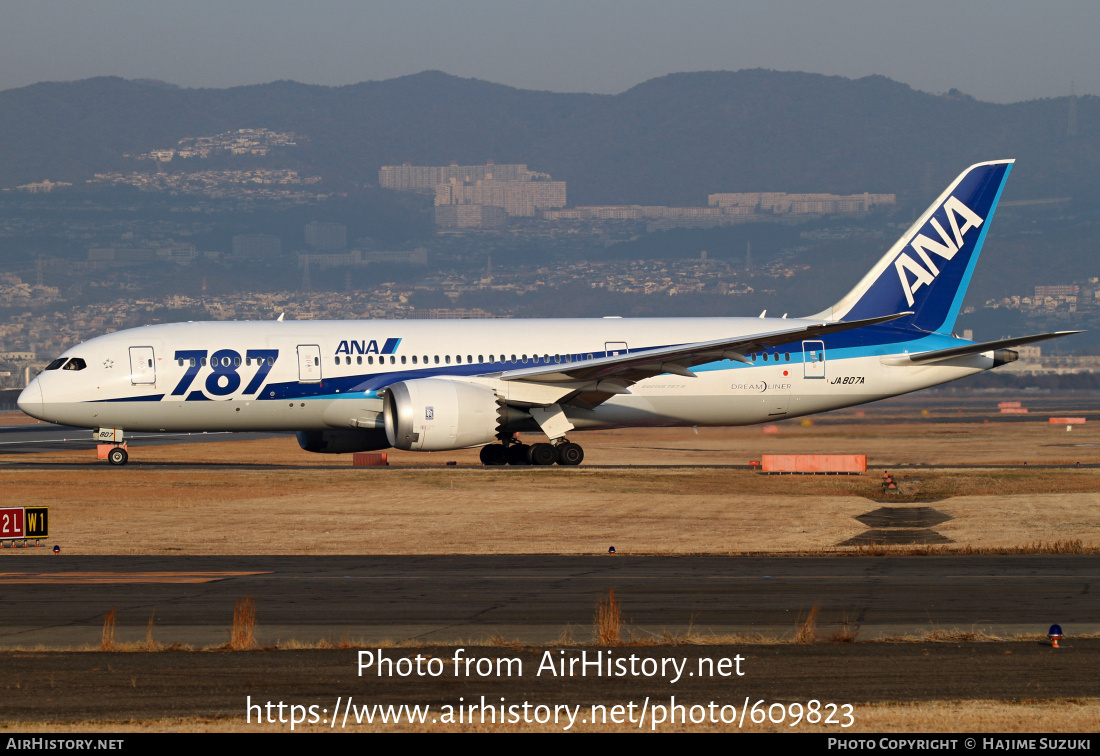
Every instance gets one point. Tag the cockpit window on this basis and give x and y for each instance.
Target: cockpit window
(76, 364)
(56, 363)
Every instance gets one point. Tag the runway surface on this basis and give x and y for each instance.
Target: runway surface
(31, 438)
(61, 601)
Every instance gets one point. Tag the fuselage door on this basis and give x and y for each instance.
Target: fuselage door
(142, 366)
(309, 363)
(614, 348)
(813, 359)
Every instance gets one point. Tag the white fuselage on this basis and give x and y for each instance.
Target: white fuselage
(316, 375)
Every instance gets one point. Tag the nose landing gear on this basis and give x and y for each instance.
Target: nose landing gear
(111, 446)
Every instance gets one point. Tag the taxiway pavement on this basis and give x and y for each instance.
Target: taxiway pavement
(61, 601)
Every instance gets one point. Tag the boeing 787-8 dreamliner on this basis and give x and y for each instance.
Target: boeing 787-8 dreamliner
(431, 385)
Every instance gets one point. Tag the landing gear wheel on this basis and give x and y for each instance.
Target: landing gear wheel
(569, 454)
(117, 456)
(517, 454)
(494, 454)
(542, 454)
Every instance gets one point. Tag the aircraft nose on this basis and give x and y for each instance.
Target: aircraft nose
(30, 399)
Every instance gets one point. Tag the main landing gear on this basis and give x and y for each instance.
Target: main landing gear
(512, 452)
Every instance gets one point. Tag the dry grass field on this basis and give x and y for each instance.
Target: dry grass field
(646, 491)
(1000, 717)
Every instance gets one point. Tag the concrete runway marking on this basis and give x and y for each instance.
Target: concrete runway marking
(116, 578)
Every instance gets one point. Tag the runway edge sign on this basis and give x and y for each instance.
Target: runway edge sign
(21, 523)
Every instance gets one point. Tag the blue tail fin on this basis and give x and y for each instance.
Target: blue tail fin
(928, 269)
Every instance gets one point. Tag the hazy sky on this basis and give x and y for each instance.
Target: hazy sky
(1000, 51)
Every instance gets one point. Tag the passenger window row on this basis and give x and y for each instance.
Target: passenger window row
(523, 359)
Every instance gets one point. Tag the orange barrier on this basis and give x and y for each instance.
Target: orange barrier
(814, 463)
(771, 428)
(369, 459)
(1067, 420)
(1009, 405)
(1014, 410)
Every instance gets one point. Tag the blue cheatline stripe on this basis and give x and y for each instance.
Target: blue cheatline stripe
(145, 398)
(836, 350)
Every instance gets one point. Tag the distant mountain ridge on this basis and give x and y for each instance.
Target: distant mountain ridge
(670, 140)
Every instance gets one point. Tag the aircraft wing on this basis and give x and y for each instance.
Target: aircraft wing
(940, 355)
(625, 369)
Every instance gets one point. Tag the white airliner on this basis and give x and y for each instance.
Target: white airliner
(431, 385)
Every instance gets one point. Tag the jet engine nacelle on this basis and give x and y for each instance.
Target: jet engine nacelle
(433, 414)
(342, 441)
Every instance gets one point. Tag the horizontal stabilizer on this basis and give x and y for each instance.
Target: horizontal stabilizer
(940, 355)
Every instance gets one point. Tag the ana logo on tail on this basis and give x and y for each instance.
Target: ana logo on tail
(926, 271)
(922, 245)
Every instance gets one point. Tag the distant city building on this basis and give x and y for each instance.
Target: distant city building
(239, 142)
(356, 258)
(518, 191)
(1059, 300)
(641, 212)
(1042, 292)
(424, 178)
(256, 245)
(802, 204)
(250, 184)
(115, 256)
(326, 235)
(42, 187)
(17, 356)
(725, 209)
(418, 256)
(470, 216)
(518, 198)
(656, 217)
(446, 313)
